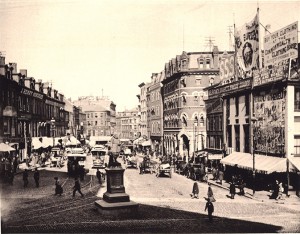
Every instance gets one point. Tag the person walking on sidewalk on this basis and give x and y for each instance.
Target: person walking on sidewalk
(77, 187)
(210, 194)
(195, 191)
(232, 190)
(98, 174)
(36, 177)
(221, 177)
(210, 209)
(58, 187)
(25, 178)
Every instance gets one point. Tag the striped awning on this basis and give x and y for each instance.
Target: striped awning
(263, 164)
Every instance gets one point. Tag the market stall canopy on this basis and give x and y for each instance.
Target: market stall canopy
(41, 142)
(263, 164)
(6, 148)
(146, 143)
(72, 141)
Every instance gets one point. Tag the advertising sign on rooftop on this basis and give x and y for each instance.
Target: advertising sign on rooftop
(281, 45)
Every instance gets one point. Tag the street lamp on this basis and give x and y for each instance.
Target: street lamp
(195, 134)
(53, 129)
(253, 121)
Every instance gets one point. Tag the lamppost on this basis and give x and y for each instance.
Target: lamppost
(195, 134)
(253, 121)
(53, 129)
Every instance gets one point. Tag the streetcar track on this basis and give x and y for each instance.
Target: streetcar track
(44, 209)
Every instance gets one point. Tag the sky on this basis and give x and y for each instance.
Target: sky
(109, 47)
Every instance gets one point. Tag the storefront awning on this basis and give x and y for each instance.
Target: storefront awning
(263, 164)
(295, 161)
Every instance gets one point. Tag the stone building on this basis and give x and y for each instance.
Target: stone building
(184, 113)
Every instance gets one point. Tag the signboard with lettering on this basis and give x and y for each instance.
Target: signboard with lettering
(281, 45)
(32, 93)
(271, 73)
(232, 87)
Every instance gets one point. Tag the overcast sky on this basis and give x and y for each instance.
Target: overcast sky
(86, 46)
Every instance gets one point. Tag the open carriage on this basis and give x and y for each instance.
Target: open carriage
(146, 166)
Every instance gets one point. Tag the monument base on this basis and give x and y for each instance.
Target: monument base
(116, 202)
(128, 209)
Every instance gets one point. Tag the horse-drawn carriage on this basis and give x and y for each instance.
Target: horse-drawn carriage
(131, 161)
(147, 166)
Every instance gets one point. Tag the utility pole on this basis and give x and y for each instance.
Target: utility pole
(210, 42)
(231, 45)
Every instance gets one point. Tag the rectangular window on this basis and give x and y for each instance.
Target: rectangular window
(247, 103)
(296, 145)
(237, 106)
(229, 135)
(237, 137)
(297, 99)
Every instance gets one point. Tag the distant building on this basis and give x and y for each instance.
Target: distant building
(98, 121)
(128, 124)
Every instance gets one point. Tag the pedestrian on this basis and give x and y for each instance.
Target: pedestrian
(98, 174)
(221, 176)
(36, 177)
(25, 178)
(77, 187)
(210, 194)
(232, 190)
(280, 191)
(11, 177)
(195, 191)
(58, 187)
(210, 209)
(214, 173)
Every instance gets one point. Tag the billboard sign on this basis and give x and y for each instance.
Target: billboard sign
(281, 45)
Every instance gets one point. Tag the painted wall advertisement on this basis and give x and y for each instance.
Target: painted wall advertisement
(269, 109)
(226, 67)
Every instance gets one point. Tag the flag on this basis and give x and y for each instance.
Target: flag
(247, 48)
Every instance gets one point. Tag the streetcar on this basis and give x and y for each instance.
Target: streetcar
(100, 158)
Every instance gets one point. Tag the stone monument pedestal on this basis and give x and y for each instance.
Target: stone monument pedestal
(115, 201)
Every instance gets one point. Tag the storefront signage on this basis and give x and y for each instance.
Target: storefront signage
(52, 103)
(271, 74)
(233, 87)
(32, 93)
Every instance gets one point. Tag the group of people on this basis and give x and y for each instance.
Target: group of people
(210, 199)
(36, 177)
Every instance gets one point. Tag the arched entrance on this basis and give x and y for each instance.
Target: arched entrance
(185, 146)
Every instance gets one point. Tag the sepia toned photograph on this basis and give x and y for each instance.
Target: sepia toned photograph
(149, 116)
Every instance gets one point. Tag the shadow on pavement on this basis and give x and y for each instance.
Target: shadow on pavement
(82, 217)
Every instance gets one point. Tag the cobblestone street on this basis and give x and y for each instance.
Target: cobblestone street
(165, 206)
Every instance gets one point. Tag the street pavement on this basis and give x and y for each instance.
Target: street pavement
(165, 207)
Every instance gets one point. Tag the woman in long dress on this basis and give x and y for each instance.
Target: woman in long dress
(210, 194)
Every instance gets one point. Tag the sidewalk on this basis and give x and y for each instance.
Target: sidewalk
(262, 195)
